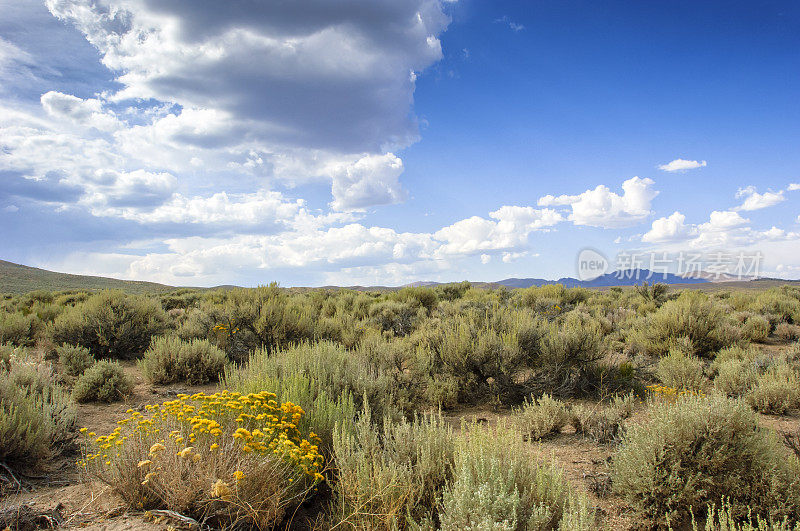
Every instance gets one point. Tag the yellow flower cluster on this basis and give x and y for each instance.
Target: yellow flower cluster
(256, 422)
(671, 394)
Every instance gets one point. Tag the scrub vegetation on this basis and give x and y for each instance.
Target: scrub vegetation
(416, 408)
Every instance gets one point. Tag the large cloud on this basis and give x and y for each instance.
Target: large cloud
(234, 92)
(603, 208)
(322, 74)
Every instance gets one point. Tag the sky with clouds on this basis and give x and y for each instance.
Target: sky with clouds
(381, 142)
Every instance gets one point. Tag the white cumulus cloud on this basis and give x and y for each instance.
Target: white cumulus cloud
(682, 165)
(603, 208)
(756, 201)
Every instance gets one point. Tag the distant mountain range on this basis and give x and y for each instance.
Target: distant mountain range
(617, 278)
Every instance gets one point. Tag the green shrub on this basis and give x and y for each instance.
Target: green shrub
(568, 356)
(777, 302)
(17, 328)
(266, 317)
(692, 319)
(462, 353)
(692, 452)
(387, 477)
(105, 381)
(497, 485)
(540, 417)
(681, 371)
(735, 377)
(171, 359)
(37, 418)
(110, 324)
(73, 359)
(399, 318)
(7, 351)
(776, 391)
(756, 328)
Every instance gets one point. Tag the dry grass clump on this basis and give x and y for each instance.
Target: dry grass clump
(227, 460)
(498, 485)
(695, 451)
(603, 424)
(681, 371)
(37, 417)
(788, 332)
(171, 359)
(74, 359)
(722, 519)
(391, 476)
(105, 381)
(540, 417)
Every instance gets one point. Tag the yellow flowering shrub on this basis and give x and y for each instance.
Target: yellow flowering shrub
(223, 458)
(670, 394)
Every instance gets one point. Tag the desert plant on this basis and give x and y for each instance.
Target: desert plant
(171, 359)
(17, 328)
(722, 519)
(568, 355)
(788, 332)
(692, 452)
(226, 459)
(110, 324)
(105, 381)
(756, 328)
(387, 477)
(540, 417)
(399, 318)
(37, 417)
(603, 424)
(496, 485)
(735, 377)
(657, 292)
(692, 319)
(323, 376)
(680, 370)
(74, 359)
(776, 391)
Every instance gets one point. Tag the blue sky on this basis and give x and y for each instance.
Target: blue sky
(382, 142)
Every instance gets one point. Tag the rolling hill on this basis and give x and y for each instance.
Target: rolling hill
(16, 278)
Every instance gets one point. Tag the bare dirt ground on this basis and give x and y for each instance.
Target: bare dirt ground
(93, 506)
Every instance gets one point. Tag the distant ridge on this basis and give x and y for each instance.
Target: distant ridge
(617, 278)
(17, 279)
